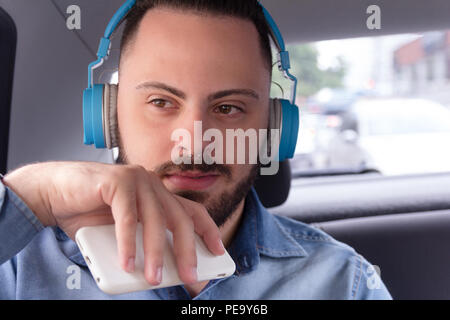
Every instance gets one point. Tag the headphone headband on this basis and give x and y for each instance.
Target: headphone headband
(283, 55)
(105, 44)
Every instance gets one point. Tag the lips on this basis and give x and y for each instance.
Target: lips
(192, 180)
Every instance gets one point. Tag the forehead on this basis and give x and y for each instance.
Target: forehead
(179, 44)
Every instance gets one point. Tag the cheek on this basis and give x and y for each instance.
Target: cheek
(240, 172)
(144, 142)
(260, 116)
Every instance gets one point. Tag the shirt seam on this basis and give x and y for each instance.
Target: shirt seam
(281, 252)
(357, 278)
(311, 238)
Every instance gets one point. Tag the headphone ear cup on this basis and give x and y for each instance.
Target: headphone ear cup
(93, 119)
(275, 114)
(87, 116)
(110, 123)
(289, 129)
(274, 122)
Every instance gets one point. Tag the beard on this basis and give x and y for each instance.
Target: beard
(220, 207)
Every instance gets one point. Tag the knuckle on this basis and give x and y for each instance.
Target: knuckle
(132, 170)
(183, 222)
(127, 172)
(189, 224)
(201, 209)
(118, 175)
(128, 221)
(150, 174)
(155, 253)
(184, 250)
(137, 168)
(193, 205)
(139, 173)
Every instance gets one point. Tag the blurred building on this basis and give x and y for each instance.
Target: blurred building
(422, 67)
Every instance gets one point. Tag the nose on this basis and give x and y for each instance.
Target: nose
(194, 122)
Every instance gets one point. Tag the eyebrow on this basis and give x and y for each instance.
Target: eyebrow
(217, 95)
(162, 86)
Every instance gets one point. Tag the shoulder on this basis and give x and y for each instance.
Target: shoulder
(336, 261)
(310, 237)
(319, 246)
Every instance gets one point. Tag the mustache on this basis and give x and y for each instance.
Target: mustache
(169, 166)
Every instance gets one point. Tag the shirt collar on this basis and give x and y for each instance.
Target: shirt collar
(259, 233)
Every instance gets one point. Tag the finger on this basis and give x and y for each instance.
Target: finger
(124, 210)
(184, 246)
(182, 228)
(204, 226)
(154, 232)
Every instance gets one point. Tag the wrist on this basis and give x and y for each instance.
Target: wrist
(27, 187)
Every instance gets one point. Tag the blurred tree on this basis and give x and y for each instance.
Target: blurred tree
(304, 65)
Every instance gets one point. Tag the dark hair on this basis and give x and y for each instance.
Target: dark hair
(245, 9)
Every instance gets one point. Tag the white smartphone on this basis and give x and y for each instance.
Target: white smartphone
(99, 248)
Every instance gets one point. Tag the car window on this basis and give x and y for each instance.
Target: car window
(373, 103)
(405, 118)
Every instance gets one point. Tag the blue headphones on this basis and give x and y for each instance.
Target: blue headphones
(100, 100)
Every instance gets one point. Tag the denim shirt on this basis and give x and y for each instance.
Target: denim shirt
(276, 258)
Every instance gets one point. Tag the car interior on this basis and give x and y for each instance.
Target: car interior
(399, 223)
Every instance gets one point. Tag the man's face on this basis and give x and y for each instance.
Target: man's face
(184, 67)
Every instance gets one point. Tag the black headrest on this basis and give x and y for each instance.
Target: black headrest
(273, 190)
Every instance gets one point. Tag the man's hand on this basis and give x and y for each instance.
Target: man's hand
(72, 195)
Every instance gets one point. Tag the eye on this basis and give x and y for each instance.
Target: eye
(227, 109)
(160, 103)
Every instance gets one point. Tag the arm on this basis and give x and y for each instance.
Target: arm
(368, 284)
(18, 224)
(71, 195)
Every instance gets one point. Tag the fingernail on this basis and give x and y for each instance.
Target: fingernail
(194, 274)
(158, 274)
(130, 265)
(221, 244)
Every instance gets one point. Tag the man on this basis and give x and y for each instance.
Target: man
(181, 62)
